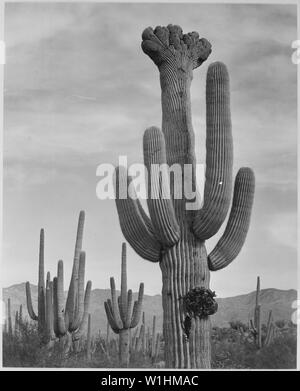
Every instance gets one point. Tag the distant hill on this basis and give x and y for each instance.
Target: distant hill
(230, 308)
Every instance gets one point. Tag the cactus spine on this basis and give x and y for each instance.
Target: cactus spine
(121, 315)
(175, 233)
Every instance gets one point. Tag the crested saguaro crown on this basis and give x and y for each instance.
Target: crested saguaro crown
(172, 234)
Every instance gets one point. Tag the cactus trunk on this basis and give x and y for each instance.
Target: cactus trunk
(184, 267)
(124, 348)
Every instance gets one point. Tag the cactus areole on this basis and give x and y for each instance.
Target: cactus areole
(174, 235)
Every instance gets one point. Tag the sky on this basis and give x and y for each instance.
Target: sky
(79, 91)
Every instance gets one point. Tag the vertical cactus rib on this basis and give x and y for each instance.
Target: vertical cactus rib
(137, 308)
(219, 154)
(236, 230)
(159, 197)
(30, 309)
(257, 291)
(136, 226)
(41, 285)
(123, 297)
(73, 288)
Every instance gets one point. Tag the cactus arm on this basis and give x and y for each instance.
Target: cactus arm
(123, 297)
(137, 308)
(61, 321)
(135, 228)
(84, 321)
(41, 285)
(114, 302)
(73, 288)
(257, 291)
(31, 312)
(89, 340)
(55, 308)
(219, 154)
(159, 198)
(153, 341)
(236, 230)
(110, 317)
(129, 310)
(80, 295)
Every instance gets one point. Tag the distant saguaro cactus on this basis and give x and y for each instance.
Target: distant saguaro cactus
(176, 231)
(55, 319)
(9, 320)
(80, 314)
(122, 316)
(41, 313)
(256, 323)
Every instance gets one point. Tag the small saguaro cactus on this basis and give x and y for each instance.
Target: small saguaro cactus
(256, 323)
(175, 233)
(9, 320)
(122, 316)
(89, 339)
(40, 317)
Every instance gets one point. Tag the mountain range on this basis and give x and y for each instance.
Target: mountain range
(239, 307)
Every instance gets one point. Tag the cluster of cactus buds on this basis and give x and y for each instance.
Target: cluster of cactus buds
(55, 318)
(121, 313)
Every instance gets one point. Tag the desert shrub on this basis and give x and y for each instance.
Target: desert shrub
(238, 325)
(233, 349)
(280, 354)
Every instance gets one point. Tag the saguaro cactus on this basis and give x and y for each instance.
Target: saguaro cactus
(41, 314)
(120, 314)
(256, 323)
(9, 320)
(176, 231)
